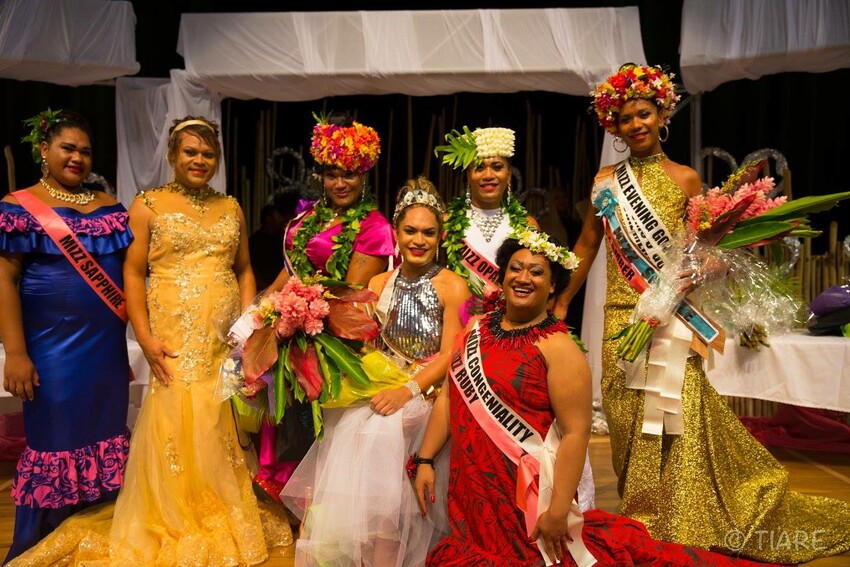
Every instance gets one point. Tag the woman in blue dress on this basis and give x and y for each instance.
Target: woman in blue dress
(62, 329)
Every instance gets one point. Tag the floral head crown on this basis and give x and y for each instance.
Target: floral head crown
(351, 148)
(39, 125)
(539, 243)
(631, 82)
(418, 197)
(468, 147)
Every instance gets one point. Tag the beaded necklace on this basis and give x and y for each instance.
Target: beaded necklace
(196, 197)
(458, 222)
(337, 265)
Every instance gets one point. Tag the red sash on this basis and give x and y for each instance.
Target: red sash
(72, 248)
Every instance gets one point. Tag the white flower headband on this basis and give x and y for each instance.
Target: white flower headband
(539, 243)
(470, 147)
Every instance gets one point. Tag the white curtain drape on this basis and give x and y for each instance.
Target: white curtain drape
(145, 109)
(67, 42)
(306, 56)
(726, 40)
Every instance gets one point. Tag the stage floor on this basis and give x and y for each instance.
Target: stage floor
(824, 474)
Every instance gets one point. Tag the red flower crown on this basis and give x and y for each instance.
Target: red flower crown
(631, 82)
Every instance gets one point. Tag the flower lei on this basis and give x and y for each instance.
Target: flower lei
(633, 82)
(337, 264)
(458, 223)
(39, 125)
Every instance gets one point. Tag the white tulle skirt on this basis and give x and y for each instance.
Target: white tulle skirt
(354, 498)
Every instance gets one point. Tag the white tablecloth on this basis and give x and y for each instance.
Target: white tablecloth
(798, 369)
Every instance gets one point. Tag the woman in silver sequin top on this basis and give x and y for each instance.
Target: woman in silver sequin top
(361, 506)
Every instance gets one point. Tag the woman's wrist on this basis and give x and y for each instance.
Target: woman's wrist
(413, 387)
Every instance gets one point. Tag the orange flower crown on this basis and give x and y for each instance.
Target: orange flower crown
(631, 82)
(351, 148)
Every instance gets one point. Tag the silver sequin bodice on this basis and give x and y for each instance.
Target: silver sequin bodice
(414, 323)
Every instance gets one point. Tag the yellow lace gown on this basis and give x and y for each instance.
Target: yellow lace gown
(714, 486)
(187, 496)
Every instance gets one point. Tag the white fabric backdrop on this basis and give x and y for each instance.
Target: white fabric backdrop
(725, 40)
(306, 56)
(67, 42)
(144, 111)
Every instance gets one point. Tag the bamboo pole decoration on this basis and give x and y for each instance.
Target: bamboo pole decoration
(409, 136)
(388, 157)
(10, 168)
(426, 163)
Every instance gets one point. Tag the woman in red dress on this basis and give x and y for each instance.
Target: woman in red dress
(513, 476)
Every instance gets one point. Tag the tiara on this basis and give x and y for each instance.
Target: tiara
(351, 148)
(632, 82)
(470, 147)
(418, 197)
(539, 243)
(192, 122)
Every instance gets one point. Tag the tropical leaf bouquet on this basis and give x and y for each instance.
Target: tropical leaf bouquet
(303, 343)
(715, 254)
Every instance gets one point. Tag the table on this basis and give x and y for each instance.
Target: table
(798, 369)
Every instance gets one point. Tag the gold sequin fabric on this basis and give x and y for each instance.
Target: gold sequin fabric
(187, 497)
(715, 486)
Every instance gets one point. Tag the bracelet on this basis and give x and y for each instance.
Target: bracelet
(413, 463)
(414, 388)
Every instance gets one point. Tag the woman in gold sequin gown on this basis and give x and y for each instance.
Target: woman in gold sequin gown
(187, 496)
(713, 486)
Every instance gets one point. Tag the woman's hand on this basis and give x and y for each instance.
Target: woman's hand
(20, 378)
(704, 267)
(553, 529)
(156, 352)
(390, 401)
(424, 486)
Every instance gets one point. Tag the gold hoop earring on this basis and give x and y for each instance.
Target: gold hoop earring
(666, 132)
(619, 139)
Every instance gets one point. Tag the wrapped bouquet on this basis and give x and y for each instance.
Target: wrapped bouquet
(307, 342)
(738, 289)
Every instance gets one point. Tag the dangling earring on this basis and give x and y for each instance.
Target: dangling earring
(437, 255)
(468, 200)
(324, 198)
(44, 168)
(510, 195)
(619, 139)
(666, 134)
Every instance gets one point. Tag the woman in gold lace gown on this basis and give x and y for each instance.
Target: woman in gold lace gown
(699, 478)
(187, 496)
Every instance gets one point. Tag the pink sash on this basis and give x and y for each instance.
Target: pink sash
(479, 265)
(72, 248)
(520, 442)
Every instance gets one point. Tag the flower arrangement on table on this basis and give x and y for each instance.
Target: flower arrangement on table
(737, 288)
(305, 342)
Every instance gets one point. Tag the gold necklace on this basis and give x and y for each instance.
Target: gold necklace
(82, 198)
(196, 197)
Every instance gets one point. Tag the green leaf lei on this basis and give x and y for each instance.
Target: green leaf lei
(457, 224)
(38, 126)
(337, 264)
